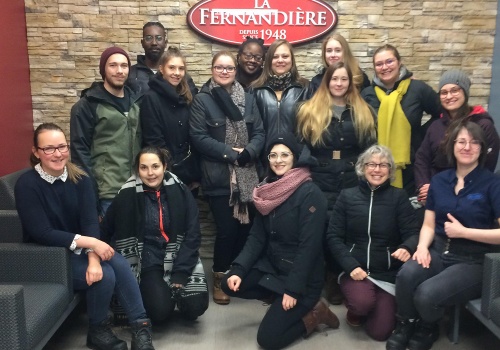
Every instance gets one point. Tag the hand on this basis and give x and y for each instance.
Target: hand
(177, 285)
(422, 193)
(288, 302)
(103, 249)
(233, 283)
(401, 254)
(423, 257)
(358, 274)
(239, 150)
(453, 228)
(94, 273)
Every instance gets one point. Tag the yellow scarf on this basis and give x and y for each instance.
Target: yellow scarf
(394, 129)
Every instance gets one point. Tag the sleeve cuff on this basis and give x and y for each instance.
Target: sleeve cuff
(179, 278)
(73, 246)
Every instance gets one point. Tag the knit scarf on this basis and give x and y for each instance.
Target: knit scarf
(242, 179)
(268, 196)
(394, 130)
(279, 82)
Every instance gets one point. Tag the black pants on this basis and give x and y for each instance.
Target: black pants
(231, 234)
(159, 299)
(278, 328)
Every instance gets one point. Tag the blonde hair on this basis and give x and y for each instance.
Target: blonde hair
(347, 57)
(183, 88)
(314, 116)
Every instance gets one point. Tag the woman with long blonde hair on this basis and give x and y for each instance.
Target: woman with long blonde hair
(337, 125)
(335, 48)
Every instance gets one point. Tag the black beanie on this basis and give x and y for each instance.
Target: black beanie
(288, 139)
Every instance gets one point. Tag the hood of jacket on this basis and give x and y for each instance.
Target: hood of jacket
(404, 73)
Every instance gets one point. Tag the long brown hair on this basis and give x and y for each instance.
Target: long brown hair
(74, 172)
(315, 115)
(183, 88)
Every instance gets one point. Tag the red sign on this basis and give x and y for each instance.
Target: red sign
(230, 21)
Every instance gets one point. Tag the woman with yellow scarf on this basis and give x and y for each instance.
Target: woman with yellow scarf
(401, 102)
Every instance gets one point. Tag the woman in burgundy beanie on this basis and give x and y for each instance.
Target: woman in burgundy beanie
(282, 261)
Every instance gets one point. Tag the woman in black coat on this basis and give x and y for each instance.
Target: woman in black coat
(283, 257)
(165, 116)
(372, 232)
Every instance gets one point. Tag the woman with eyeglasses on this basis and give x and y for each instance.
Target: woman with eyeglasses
(165, 116)
(278, 89)
(454, 89)
(56, 206)
(226, 130)
(282, 261)
(401, 102)
(373, 231)
(335, 48)
(462, 209)
(250, 57)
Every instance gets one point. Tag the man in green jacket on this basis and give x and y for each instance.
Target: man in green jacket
(105, 128)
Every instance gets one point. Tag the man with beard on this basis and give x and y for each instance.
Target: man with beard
(104, 128)
(154, 41)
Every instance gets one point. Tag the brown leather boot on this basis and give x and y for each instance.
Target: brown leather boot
(219, 296)
(332, 288)
(320, 314)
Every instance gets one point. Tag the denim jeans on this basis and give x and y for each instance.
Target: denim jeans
(424, 293)
(118, 278)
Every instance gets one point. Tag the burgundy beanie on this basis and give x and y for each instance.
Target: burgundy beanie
(109, 52)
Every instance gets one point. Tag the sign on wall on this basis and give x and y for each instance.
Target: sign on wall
(230, 21)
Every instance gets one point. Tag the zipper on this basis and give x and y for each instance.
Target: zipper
(388, 258)
(352, 248)
(369, 234)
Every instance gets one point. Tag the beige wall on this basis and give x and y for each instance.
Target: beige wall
(66, 37)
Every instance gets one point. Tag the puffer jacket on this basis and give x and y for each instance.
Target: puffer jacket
(279, 116)
(367, 226)
(333, 175)
(430, 158)
(286, 245)
(419, 98)
(105, 141)
(208, 134)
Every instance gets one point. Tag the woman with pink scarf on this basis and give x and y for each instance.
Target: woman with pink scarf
(282, 260)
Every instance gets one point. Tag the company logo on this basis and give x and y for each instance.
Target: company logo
(230, 21)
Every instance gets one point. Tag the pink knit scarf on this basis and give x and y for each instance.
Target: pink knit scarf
(268, 196)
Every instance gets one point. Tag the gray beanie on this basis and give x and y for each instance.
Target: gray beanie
(456, 76)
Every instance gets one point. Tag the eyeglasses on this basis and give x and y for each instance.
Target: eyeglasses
(220, 69)
(51, 150)
(462, 143)
(382, 166)
(149, 38)
(453, 91)
(284, 156)
(249, 56)
(388, 62)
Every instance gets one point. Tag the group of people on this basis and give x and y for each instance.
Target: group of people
(307, 182)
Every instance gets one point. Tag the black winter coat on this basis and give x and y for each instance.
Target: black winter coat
(208, 134)
(287, 245)
(164, 119)
(367, 226)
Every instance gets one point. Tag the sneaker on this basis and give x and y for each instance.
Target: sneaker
(425, 335)
(102, 337)
(400, 335)
(353, 320)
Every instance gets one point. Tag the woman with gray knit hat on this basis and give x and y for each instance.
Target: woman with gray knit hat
(454, 88)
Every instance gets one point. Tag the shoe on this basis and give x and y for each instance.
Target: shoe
(141, 335)
(425, 335)
(400, 335)
(332, 288)
(353, 320)
(102, 337)
(320, 314)
(219, 296)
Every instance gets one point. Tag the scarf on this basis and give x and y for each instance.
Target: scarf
(279, 82)
(268, 196)
(394, 129)
(242, 179)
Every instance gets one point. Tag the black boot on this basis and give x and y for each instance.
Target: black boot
(141, 335)
(101, 337)
(425, 335)
(401, 335)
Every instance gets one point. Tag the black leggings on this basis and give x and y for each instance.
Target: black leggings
(159, 300)
(278, 328)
